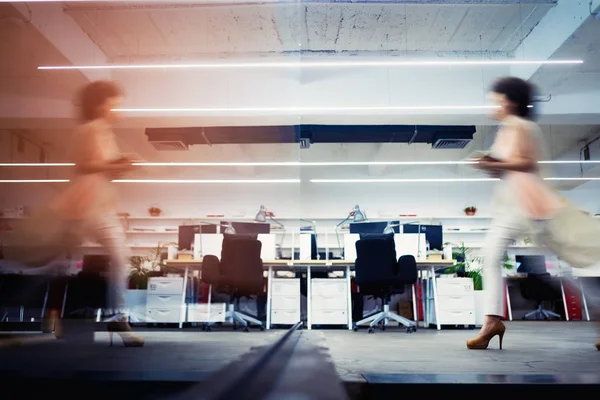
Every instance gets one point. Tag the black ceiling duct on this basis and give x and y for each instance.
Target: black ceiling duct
(438, 136)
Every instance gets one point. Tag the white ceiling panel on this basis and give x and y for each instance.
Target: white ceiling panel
(184, 32)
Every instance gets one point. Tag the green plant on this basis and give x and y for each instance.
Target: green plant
(141, 266)
(469, 266)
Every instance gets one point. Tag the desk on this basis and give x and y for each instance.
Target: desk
(345, 265)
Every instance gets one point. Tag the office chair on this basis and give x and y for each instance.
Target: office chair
(380, 274)
(239, 273)
(25, 293)
(540, 288)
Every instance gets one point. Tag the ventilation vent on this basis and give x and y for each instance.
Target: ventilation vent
(172, 145)
(451, 143)
(304, 143)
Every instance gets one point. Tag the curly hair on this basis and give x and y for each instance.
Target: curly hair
(518, 92)
(94, 94)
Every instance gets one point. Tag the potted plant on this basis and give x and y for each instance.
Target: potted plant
(470, 211)
(470, 266)
(138, 275)
(154, 211)
(142, 267)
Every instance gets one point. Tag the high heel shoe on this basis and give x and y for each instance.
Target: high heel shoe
(51, 322)
(481, 342)
(123, 329)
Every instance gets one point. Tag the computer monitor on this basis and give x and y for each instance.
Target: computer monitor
(433, 234)
(247, 228)
(370, 227)
(531, 264)
(95, 264)
(187, 232)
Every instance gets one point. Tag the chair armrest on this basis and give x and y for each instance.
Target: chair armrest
(210, 270)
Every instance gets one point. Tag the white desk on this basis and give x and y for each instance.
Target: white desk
(423, 266)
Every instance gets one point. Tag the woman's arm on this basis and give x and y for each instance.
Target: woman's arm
(91, 156)
(523, 157)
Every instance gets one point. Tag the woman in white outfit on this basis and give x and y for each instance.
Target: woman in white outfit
(90, 201)
(521, 199)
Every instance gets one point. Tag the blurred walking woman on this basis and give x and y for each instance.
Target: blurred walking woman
(90, 201)
(521, 200)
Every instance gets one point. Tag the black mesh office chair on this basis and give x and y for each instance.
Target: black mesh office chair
(21, 295)
(381, 274)
(239, 273)
(540, 287)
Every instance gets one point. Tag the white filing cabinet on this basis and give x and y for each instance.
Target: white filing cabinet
(214, 312)
(163, 301)
(285, 301)
(329, 302)
(456, 301)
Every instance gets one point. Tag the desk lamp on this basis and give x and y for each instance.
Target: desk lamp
(357, 216)
(390, 228)
(418, 237)
(262, 215)
(229, 230)
(314, 232)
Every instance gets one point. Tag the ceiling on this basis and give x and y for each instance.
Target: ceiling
(583, 44)
(22, 50)
(189, 31)
(136, 31)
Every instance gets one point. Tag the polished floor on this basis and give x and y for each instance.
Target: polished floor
(532, 348)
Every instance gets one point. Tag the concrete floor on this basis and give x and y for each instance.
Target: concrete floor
(529, 348)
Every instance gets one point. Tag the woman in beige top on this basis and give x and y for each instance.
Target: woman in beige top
(90, 201)
(521, 198)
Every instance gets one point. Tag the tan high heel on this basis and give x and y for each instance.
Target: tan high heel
(123, 329)
(482, 342)
(51, 323)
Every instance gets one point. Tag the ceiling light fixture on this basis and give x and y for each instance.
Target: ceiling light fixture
(197, 181)
(301, 109)
(37, 164)
(241, 181)
(435, 180)
(317, 64)
(294, 163)
(34, 180)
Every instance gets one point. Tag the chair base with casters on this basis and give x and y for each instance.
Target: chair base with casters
(242, 319)
(541, 314)
(383, 317)
(237, 318)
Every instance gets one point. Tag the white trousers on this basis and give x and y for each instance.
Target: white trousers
(505, 228)
(108, 232)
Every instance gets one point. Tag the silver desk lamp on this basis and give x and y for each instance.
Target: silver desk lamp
(229, 230)
(262, 215)
(314, 228)
(357, 216)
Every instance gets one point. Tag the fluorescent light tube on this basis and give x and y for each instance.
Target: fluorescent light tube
(391, 180)
(294, 163)
(34, 180)
(198, 181)
(37, 164)
(317, 64)
(303, 109)
(241, 181)
(434, 180)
